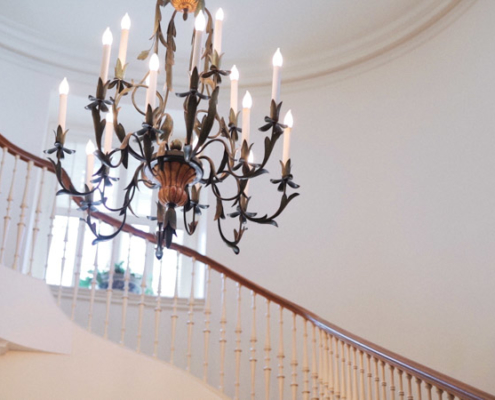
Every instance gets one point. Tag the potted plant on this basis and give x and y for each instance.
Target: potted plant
(103, 279)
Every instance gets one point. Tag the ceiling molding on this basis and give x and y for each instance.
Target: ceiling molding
(25, 47)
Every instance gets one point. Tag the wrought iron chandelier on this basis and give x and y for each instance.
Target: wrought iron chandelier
(177, 170)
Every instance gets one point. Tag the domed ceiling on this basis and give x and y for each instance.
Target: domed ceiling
(315, 36)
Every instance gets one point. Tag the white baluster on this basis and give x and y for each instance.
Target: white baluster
(355, 390)
(314, 364)
(158, 311)
(306, 392)
(321, 366)
(362, 377)
(50, 234)
(326, 366)
(281, 356)
(223, 332)
(238, 350)
(64, 253)
(268, 349)
(142, 298)
(93, 292)
(343, 386)
(252, 341)
(109, 295)
(384, 381)
(190, 315)
(7, 218)
(392, 382)
(21, 225)
(77, 268)
(207, 330)
(4, 152)
(36, 227)
(125, 296)
(377, 380)
(293, 363)
(337, 367)
(349, 373)
(174, 315)
(370, 377)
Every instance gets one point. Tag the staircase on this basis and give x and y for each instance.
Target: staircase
(238, 337)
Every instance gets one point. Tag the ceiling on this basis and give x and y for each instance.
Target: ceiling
(315, 37)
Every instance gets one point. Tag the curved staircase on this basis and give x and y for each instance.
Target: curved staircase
(241, 339)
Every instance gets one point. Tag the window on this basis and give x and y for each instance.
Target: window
(123, 249)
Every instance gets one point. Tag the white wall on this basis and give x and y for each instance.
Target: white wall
(393, 235)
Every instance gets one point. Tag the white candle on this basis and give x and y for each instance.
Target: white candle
(151, 93)
(217, 41)
(63, 90)
(124, 38)
(108, 132)
(90, 163)
(278, 61)
(289, 121)
(247, 103)
(200, 26)
(107, 49)
(234, 89)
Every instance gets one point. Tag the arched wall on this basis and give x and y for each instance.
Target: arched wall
(393, 236)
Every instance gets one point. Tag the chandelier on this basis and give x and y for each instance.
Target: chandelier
(178, 170)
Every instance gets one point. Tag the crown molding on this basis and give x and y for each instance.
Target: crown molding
(25, 47)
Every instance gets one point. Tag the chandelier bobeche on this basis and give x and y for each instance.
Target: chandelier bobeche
(177, 170)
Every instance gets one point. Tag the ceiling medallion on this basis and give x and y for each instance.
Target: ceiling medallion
(178, 170)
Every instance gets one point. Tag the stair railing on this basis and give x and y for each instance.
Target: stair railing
(241, 338)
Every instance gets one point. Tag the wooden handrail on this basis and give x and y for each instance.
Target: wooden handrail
(427, 375)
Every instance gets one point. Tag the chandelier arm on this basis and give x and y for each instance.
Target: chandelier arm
(237, 236)
(190, 228)
(271, 220)
(133, 96)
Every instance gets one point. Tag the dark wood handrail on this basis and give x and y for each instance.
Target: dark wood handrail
(427, 375)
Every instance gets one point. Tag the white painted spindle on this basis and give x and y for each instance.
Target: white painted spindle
(326, 357)
(206, 330)
(77, 267)
(306, 392)
(377, 379)
(321, 366)
(338, 394)
(190, 315)
(64, 254)
(174, 315)
(384, 381)
(238, 349)
(314, 364)
(158, 311)
(50, 235)
(4, 152)
(355, 377)
(93, 291)
(223, 332)
(392, 382)
(36, 227)
(293, 363)
(142, 297)
(343, 385)
(125, 296)
(281, 355)
(7, 218)
(268, 349)
(109, 294)
(21, 225)
(252, 341)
